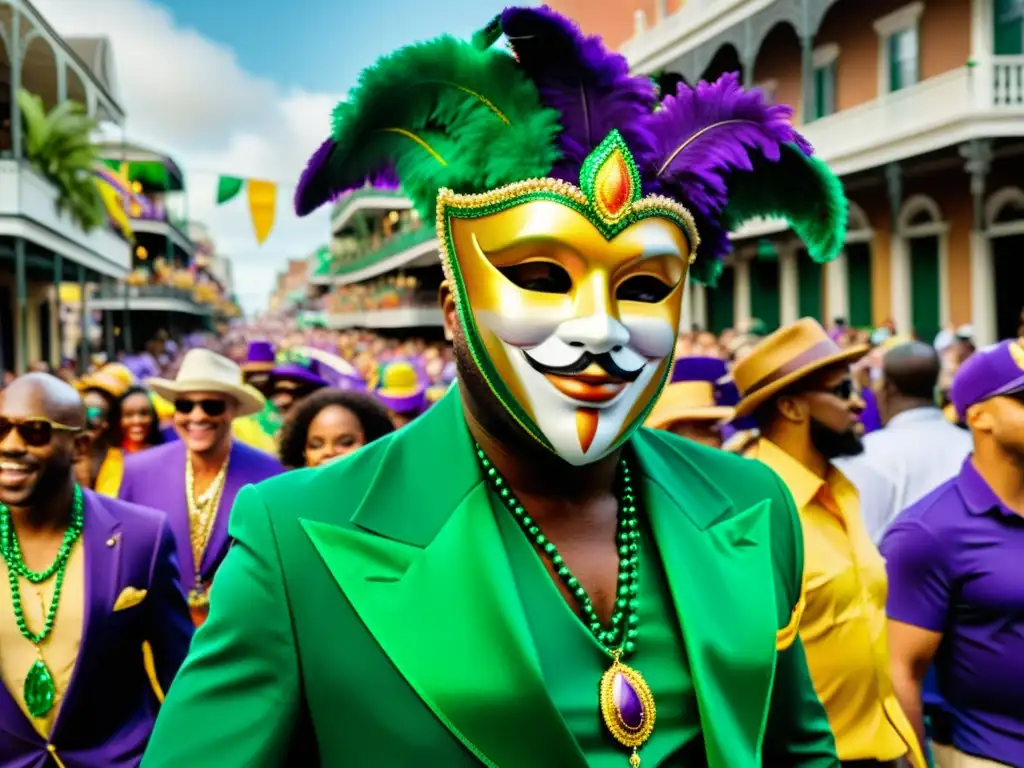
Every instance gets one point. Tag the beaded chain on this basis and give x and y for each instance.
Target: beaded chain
(16, 567)
(619, 636)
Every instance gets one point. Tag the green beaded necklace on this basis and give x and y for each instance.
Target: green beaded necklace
(620, 635)
(40, 690)
(625, 701)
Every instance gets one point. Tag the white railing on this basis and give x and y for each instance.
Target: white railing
(26, 194)
(1008, 81)
(985, 98)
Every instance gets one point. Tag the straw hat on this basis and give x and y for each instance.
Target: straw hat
(785, 357)
(113, 378)
(205, 371)
(694, 393)
(687, 401)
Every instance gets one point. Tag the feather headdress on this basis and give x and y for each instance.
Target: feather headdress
(471, 117)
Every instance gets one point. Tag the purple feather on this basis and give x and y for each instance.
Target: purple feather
(589, 85)
(704, 134)
(314, 190)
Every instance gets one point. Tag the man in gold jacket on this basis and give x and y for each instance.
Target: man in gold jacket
(797, 384)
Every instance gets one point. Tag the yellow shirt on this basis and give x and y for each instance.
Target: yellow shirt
(843, 627)
(108, 479)
(247, 430)
(59, 650)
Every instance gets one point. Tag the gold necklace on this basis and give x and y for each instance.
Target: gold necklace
(202, 513)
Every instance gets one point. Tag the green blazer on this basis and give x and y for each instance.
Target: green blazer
(367, 609)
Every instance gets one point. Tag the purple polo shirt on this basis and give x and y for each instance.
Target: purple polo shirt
(955, 561)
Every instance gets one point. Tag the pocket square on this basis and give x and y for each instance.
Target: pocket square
(129, 598)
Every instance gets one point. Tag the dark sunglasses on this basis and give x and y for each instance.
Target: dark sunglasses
(35, 432)
(212, 408)
(843, 390)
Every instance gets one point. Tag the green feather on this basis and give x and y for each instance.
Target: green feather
(445, 113)
(488, 36)
(799, 189)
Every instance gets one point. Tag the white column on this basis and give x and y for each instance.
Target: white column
(789, 284)
(837, 298)
(945, 312)
(700, 305)
(686, 316)
(983, 309)
(900, 284)
(741, 292)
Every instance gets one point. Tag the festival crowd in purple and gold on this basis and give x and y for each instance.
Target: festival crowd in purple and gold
(905, 459)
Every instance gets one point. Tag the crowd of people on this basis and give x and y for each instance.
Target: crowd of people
(183, 429)
(571, 537)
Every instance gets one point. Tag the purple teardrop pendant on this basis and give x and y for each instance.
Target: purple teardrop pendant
(627, 702)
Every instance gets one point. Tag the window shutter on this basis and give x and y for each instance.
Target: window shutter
(1007, 28)
(895, 79)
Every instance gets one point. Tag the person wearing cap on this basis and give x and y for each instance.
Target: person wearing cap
(692, 403)
(194, 480)
(956, 580)
(260, 360)
(293, 378)
(402, 391)
(101, 467)
(796, 383)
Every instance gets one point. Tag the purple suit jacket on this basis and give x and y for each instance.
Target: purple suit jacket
(155, 478)
(109, 707)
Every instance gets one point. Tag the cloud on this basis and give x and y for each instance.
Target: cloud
(187, 96)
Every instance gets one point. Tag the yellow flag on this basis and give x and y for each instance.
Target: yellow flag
(115, 211)
(262, 206)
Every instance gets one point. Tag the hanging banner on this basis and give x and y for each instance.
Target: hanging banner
(228, 188)
(262, 207)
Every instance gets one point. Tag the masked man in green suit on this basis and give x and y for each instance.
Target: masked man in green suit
(524, 578)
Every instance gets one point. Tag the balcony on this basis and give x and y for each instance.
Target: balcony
(982, 100)
(366, 199)
(157, 222)
(409, 249)
(378, 319)
(28, 209)
(151, 298)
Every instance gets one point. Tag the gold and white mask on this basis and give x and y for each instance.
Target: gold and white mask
(570, 297)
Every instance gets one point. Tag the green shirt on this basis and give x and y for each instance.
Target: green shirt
(572, 661)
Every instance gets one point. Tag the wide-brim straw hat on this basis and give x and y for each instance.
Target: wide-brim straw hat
(780, 360)
(687, 401)
(205, 371)
(113, 378)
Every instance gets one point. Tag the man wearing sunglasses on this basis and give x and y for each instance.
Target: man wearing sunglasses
(195, 479)
(796, 384)
(91, 602)
(956, 592)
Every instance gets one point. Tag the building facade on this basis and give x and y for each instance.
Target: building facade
(41, 247)
(918, 106)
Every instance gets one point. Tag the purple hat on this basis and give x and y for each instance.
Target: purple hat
(259, 357)
(307, 374)
(402, 389)
(989, 372)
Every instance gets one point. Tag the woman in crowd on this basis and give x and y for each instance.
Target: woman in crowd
(328, 424)
(134, 426)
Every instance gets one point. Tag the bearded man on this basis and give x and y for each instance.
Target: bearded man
(523, 576)
(797, 385)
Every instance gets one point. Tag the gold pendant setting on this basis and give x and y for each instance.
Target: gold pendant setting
(627, 707)
(198, 598)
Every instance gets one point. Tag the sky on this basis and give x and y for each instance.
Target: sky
(246, 89)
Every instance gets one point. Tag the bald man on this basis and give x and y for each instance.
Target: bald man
(93, 622)
(917, 450)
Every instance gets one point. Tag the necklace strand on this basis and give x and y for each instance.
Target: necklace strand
(11, 551)
(619, 637)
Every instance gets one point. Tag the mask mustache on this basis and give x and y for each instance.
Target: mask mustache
(603, 360)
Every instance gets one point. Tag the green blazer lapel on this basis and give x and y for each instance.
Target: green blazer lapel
(718, 565)
(431, 581)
